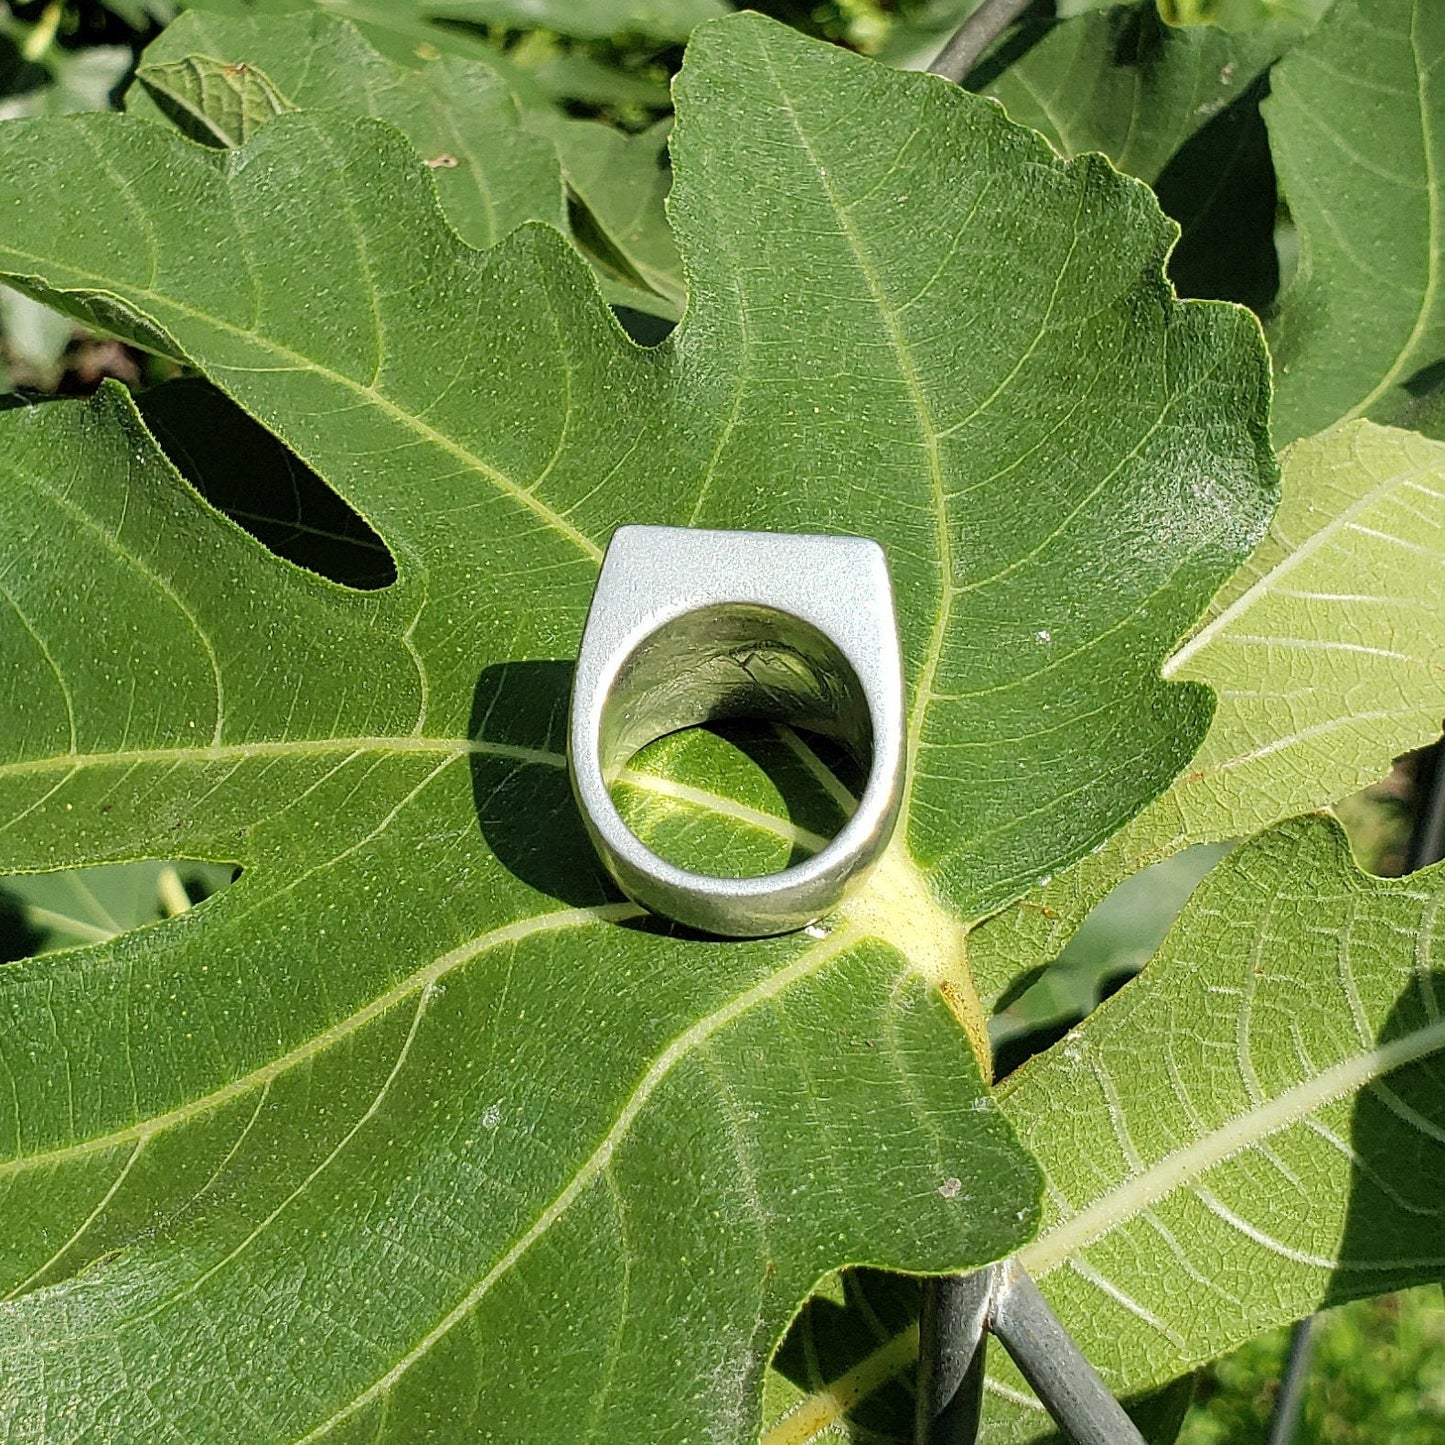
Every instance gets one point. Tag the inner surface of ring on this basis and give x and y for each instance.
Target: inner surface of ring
(733, 660)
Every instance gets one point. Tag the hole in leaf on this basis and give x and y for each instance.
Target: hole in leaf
(42, 912)
(1112, 944)
(737, 798)
(245, 472)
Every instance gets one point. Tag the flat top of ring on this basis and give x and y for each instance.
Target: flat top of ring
(839, 584)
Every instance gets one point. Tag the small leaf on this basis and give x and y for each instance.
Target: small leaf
(621, 182)
(1357, 121)
(215, 102)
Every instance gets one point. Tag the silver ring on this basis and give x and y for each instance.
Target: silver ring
(688, 626)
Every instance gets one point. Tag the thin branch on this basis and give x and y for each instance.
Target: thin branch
(975, 37)
(1427, 843)
(1291, 1397)
(953, 1336)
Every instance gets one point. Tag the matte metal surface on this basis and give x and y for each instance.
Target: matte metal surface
(688, 626)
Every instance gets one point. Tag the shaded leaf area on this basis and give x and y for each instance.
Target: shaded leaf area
(772, 773)
(618, 184)
(916, 36)
(1220, 187)
(1324, 652)
(418, 1054)
(219, 78)
(245, 472)
(1179, 109)
(848, 1363)
(1357, 122)
(859, 1333)
(1113, 943)
(596, 19)
(1249, 1130)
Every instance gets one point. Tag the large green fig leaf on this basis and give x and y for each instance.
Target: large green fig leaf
(1357, 121)
(506, 1153)
(381, 1061)
(1325, 654)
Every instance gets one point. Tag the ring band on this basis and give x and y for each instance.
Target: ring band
(688, 626)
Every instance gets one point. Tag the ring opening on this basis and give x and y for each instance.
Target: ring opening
(692, 762)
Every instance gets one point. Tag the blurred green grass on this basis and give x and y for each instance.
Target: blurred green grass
(1377, 1377)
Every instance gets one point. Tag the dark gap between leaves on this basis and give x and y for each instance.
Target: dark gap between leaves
(263, 486)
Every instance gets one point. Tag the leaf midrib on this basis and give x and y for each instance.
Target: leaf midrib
(1265, 584)
(1125, 1202)
(291, 748)
(923, 413)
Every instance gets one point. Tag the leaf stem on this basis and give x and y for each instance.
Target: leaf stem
(972, 40)
(1291, 1397)
(173, 896)
(42, 34)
